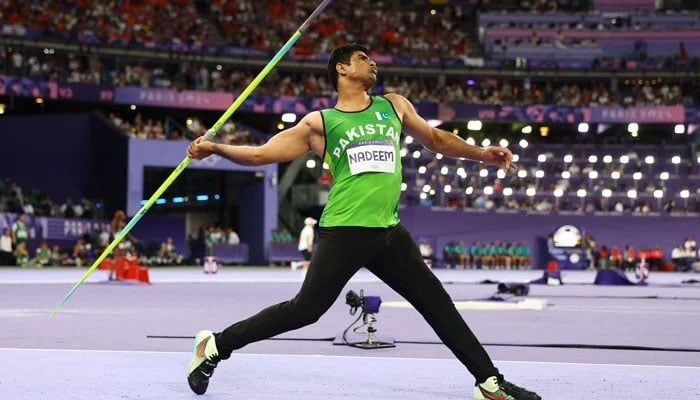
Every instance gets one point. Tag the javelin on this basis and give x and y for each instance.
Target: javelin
(184, 163)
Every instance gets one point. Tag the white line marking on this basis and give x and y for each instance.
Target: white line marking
(173, 281)
(452, 360)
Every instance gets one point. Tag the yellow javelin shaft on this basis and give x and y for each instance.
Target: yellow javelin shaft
(184, 163)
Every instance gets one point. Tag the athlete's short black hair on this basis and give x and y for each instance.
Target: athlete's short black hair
(342, 54)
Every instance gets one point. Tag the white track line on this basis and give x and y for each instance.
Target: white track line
(335, 356)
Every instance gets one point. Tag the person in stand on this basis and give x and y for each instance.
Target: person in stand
(360, 140)
(306, 244)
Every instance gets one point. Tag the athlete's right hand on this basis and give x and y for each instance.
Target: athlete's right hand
(199, 149)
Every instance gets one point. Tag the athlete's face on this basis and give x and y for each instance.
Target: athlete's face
(363, 67)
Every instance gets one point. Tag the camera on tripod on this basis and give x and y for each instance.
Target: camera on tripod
(369, 304)
(370, 307)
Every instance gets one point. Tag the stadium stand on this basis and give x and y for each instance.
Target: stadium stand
(526, 60)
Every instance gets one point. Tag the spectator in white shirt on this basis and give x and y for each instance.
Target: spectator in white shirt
(6, 257)
(678, 257)
(28, 207)
(306, 242)
(690, 246)
(233, 237)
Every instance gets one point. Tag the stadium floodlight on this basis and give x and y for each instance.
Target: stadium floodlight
(649, 160)
(209, 135)
(422, 169)
(679, 129)
(488, 190)
(474, 125)
(566, 174)
(658, 195)
(416, 153)
(593, 159)
(408, 140)
(606, 193)
(607, 159)
(568, 158)
(523, 143)
(289, 118)
(664, 176)
(507, 191)
(583, 127)
(632, 193)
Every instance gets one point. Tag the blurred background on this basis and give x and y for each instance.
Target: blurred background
(598, 100)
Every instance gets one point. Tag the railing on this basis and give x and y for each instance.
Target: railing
(231, 253)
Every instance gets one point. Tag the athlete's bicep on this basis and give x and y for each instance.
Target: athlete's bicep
(292, 142)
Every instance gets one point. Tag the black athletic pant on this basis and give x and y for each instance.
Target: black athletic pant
(389, 253)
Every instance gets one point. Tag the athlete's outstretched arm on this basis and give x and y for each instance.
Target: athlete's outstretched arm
(284, 146)
(444, 142)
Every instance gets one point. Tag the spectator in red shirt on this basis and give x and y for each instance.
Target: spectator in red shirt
(630, 258)
(616, 256)
(656, 258)
(643, 255)
(603, 257)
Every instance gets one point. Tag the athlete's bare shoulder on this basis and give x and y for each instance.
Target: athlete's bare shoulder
(313, 121)
(400, 103)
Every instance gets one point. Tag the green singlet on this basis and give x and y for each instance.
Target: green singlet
(362, 150)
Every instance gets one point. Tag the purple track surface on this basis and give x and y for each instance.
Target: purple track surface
(98, 345)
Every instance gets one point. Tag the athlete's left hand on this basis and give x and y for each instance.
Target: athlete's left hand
(200, 148)
(497, 156)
